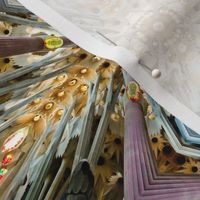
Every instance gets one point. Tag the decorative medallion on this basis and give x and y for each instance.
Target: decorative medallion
(48, 106)
(60, 112)
(72, 82)
(53, 42)
(61, 77)
(83, 71)
(133, 91)
(83, 88)
(61, 94)
(37, 118)
(15, 140)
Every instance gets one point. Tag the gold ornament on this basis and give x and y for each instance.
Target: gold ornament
(83, 88)
(72, 82)
(48, 106)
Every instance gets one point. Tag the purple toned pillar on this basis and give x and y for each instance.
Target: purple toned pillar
(142, 180)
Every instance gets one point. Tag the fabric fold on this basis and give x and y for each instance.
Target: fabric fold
(163, 34)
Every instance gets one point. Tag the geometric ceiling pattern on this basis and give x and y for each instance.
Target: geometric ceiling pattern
(142, 171)
(76, 126)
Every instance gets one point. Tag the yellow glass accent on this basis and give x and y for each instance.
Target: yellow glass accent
(37, 118)
(83, 71)
(83, 88)
(61, 77)
(53, 42)
(38, 100)
(72, 82)
(48, 106)
(61, 94)
(60, 112)
(115, 117)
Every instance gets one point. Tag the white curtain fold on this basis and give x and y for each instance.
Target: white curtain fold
(164, 34)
